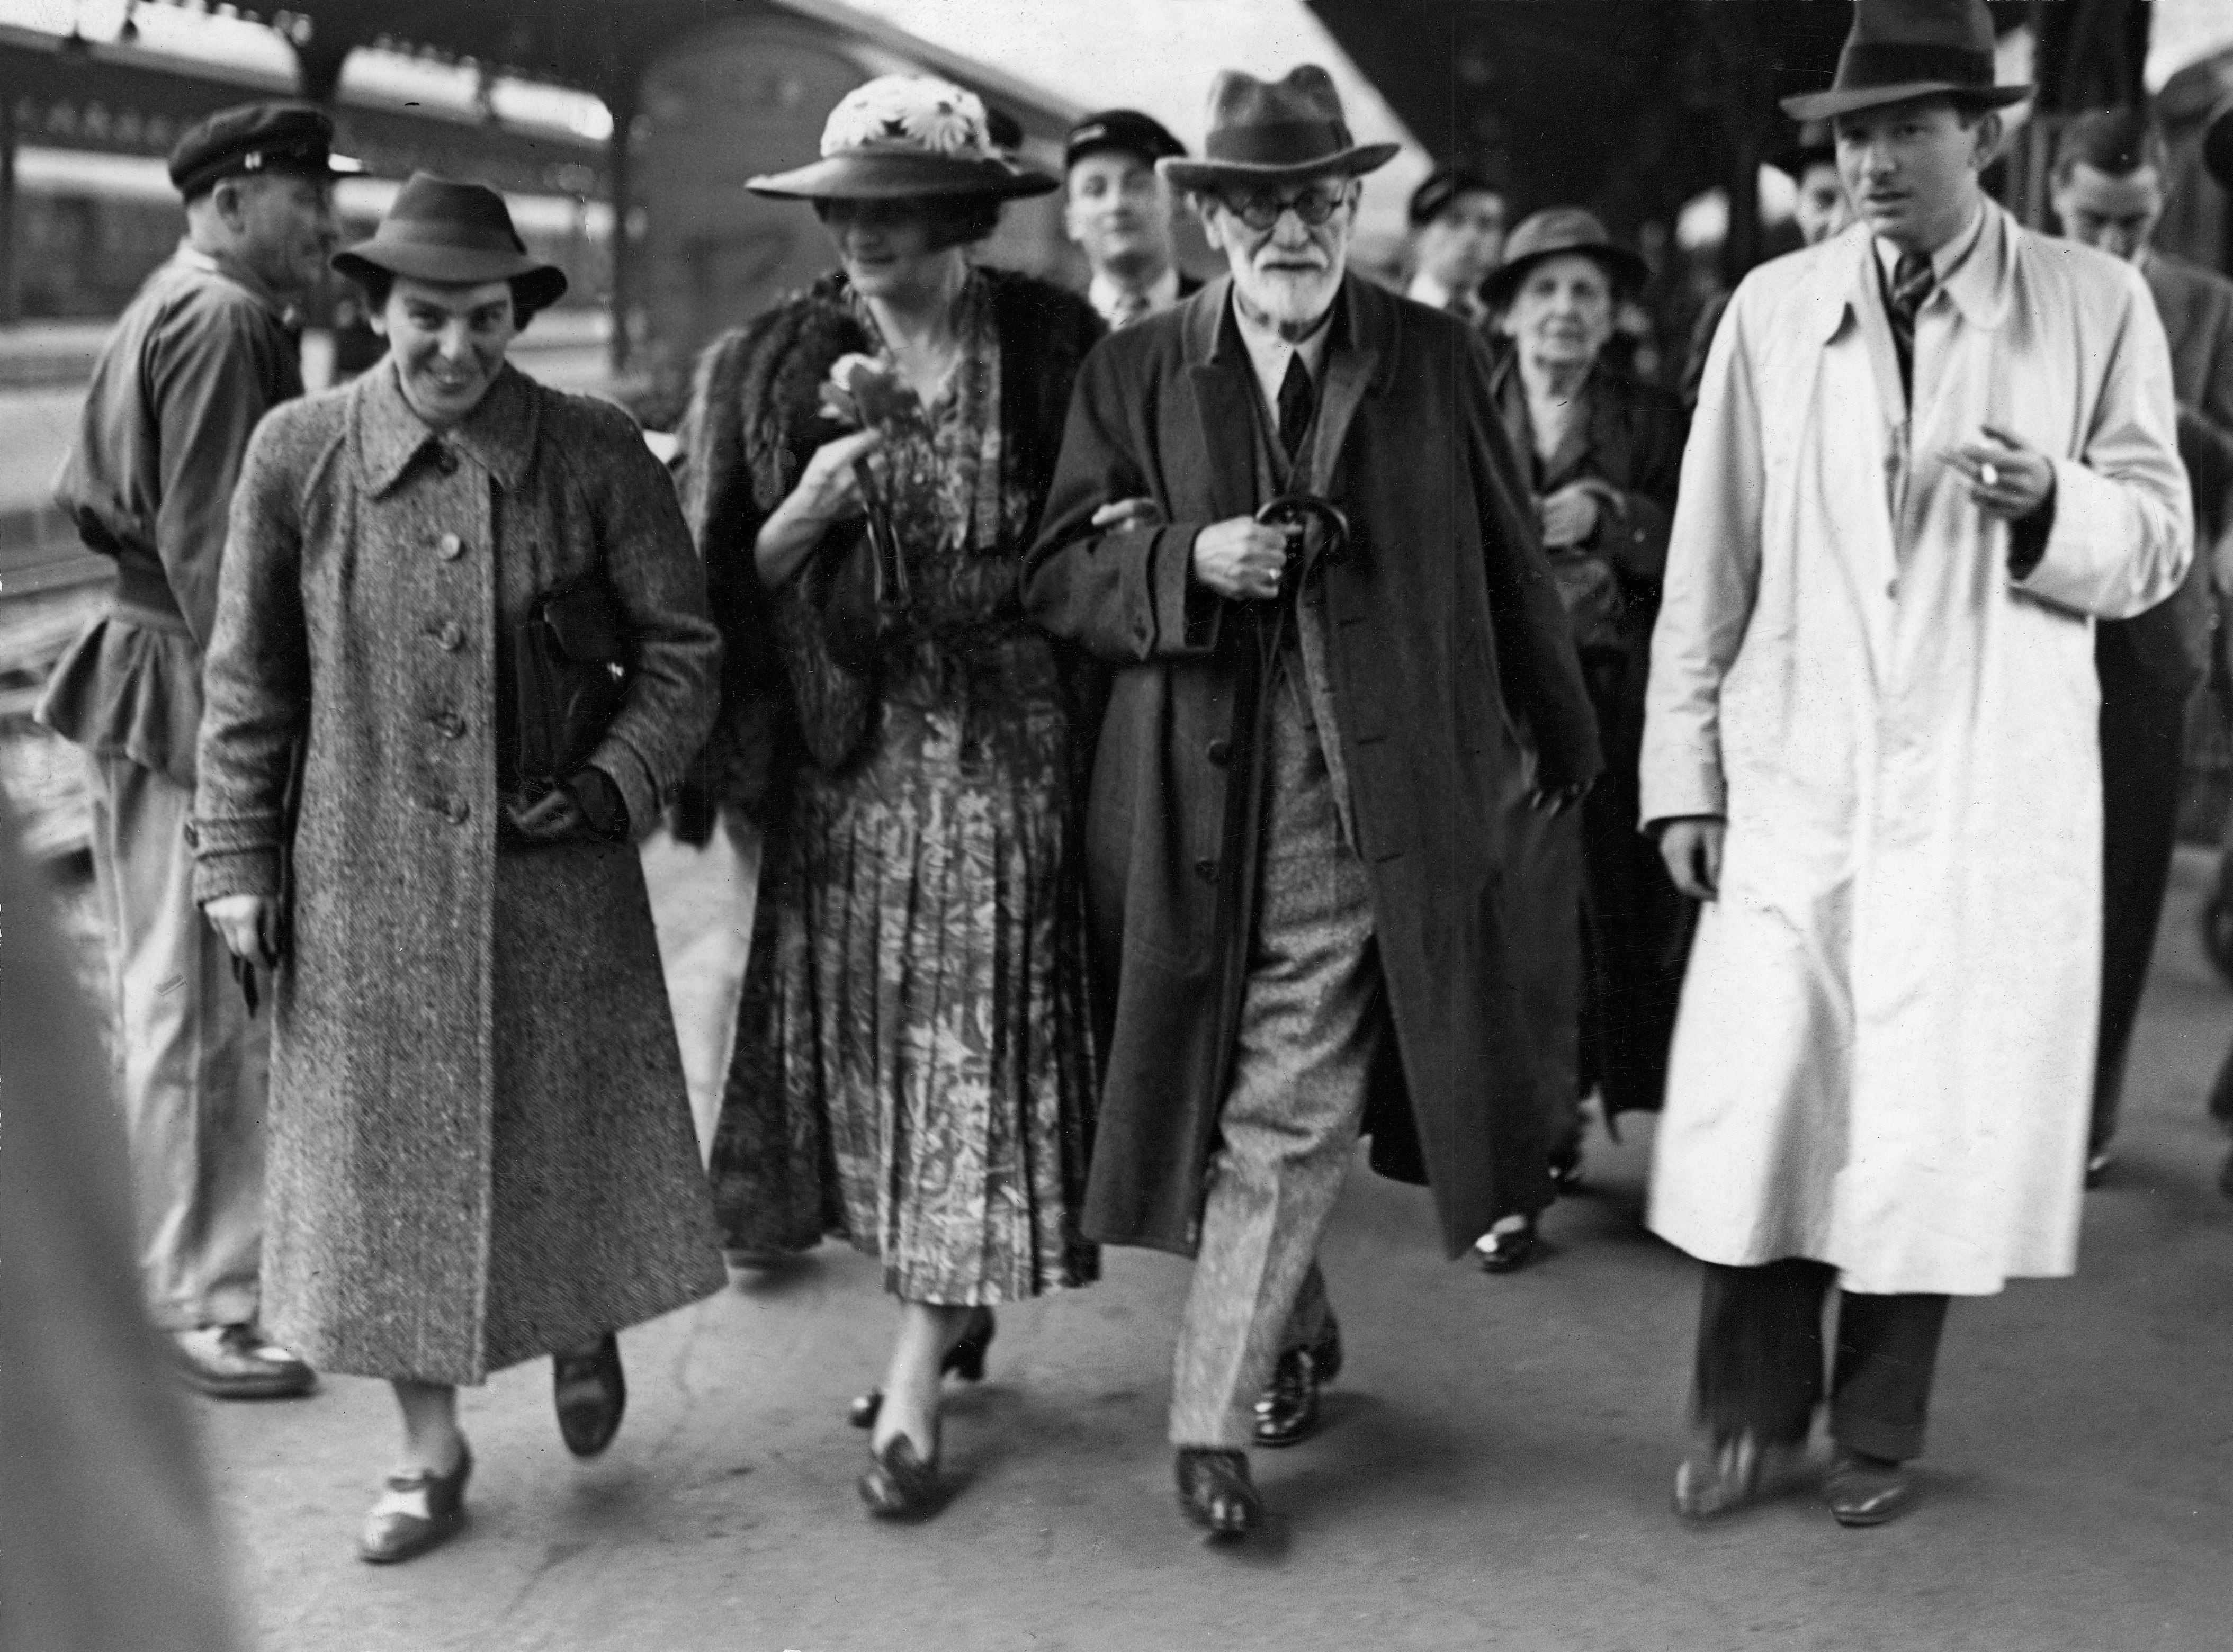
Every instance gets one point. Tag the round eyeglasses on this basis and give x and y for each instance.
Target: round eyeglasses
(1261, 209)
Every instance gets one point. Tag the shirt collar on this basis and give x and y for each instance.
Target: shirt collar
(499, 435)
(1945, 262)
(1428, 290)
(1269, 354)
(1105, 295)
(191, 256)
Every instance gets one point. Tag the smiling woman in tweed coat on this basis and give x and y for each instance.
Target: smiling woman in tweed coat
(480, 1144)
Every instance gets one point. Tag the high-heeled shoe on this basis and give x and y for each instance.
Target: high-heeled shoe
(900, 1484)
(1501, 1250)
(590, 1393)
(966, 1360)
(415, 1512)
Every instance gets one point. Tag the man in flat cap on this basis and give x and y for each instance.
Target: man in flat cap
(2109, 188)
(1118, 211)
(1457, 218)
(202, 353)
(1291, 849)
(1929, 453)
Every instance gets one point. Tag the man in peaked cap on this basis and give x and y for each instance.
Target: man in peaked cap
(203, 352)
(2108, 188)
(1457, 218)
(1119, 211)
(1292, 858)
(1870, 750)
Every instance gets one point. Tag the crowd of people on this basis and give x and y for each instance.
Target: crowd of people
(1190, 726)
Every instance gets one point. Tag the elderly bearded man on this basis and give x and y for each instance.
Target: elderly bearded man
(1928, 454)
(1293, 869)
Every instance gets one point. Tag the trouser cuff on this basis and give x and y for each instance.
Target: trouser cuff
(1894, 1441)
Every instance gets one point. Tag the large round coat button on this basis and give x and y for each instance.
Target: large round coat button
(451, 547)
(450, 637)
(459, 811)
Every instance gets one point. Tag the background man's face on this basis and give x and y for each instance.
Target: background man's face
(1820, 209)
(286, 228)
(1910, 169)
(1288, 274)
(1119, 212)
(2116, 215)
(1465, 242)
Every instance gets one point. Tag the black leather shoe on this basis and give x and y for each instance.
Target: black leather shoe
(239, 1363)
(415, 1513)
(1287, 1414)
(899, 1485)
(966, 1360)
(590, 1393)
(1215, 1493)
(1867, 1491)
(1502, 1250)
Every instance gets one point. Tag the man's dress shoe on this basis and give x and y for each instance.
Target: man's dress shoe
(237, 1363)
(1722, 1476)
(1288, 1413)
(416, 1513)
(1215, 1491)
(590, 1393)
(1867, 1491)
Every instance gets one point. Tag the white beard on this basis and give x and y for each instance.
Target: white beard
(1288, 298)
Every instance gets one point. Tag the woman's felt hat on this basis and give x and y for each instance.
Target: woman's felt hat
(1557, 230)
(904, 137)
(1911, 49)
(456, 235)
(1286, 131)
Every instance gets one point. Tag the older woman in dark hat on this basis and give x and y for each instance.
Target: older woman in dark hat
(461, 656)
(865, 467)
(1603, 454)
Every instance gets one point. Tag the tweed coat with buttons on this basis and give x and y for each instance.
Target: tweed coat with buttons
(479, 1144)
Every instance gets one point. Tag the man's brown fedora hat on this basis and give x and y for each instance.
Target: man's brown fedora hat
(458, 235)
(1911, 49)
(1271, 132)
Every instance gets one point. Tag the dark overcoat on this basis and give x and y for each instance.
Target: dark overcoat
(480, 1145)
(1444, 612)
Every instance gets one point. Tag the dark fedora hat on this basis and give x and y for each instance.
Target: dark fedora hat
(1283, 131)
(1557, 230)
(901, 137)
(458, 235)
(1909, 49)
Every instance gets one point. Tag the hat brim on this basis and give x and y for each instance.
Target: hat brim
(540, 284)
(1828, 106)
(900, 176)
(1628, 271)
(1353, 162)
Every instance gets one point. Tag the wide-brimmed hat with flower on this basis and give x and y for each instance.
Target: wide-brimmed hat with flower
(901, 136)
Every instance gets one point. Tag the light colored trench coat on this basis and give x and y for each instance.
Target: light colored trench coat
(1885, 1046)
(480, 1146)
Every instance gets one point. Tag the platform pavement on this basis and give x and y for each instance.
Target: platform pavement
(1496, 1473)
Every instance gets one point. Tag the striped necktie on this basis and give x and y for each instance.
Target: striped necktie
(1912, 279)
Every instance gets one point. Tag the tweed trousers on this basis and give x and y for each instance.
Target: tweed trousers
(1312, 1017)
(192, 1066)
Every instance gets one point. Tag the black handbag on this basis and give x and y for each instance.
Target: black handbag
(573, 657)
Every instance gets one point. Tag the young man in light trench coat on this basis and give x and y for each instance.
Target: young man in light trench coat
(1928, 454)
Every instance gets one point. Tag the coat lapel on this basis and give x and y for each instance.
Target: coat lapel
(1223, 387)
(1352, 368)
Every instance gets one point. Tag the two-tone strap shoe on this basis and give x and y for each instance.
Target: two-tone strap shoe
(239, 1363)
(1863, 1490)
(1288, 1413)
(1216, 1494)
(415, 1512)
(591, 1394)
(966, 1360)
(900, 1484)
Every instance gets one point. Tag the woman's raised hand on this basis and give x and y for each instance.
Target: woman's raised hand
(830, 488)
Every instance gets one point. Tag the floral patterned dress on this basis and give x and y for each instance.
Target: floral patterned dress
(913, 1065)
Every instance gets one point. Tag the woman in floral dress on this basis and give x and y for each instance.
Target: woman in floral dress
(913, 1065)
